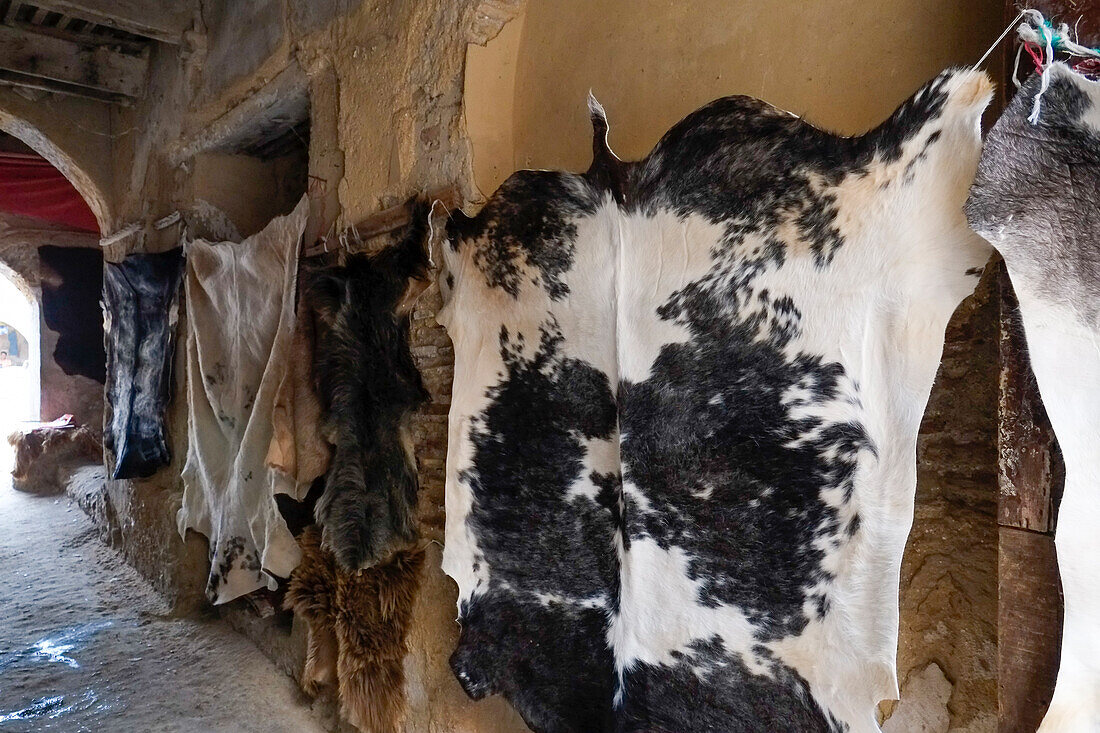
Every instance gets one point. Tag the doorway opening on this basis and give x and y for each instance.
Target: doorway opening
(20, 357)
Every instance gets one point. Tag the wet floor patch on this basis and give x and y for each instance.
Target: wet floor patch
(86, 645)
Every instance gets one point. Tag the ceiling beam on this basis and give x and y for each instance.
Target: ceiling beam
(163, 20)
(99, 69)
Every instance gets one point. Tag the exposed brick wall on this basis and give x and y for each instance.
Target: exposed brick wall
(435, 358)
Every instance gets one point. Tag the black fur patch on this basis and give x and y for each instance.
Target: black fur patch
(368, 386)
(139, 295)
(520, 238)
(710, 690)
(513, 640)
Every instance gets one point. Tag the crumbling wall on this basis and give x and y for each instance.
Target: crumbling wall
(385, 86)
(947, 655)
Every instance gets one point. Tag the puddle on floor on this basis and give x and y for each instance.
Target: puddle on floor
(52, 708)
(38, 666)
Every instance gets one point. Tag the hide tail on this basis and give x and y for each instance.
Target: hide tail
(356, 520)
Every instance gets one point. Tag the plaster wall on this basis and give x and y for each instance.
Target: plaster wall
(251, 192)
(843, 64)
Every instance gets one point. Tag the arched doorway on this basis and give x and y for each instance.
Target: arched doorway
(20, 351)
(43, 211)
(20, 356)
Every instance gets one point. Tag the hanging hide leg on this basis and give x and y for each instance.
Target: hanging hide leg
(310, 595)
(374, 608)
(320, 666)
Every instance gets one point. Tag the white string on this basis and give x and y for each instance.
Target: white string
(431, 230)
(1048, 62)
(1007, 30)
(131, 229)
(1016, 67)
(358, 239)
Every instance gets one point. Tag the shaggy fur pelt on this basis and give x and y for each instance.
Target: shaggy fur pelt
(358, 623)
(46, 457)
(369, 387)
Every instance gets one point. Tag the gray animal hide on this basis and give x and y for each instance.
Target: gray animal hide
(140, 313)
(1035, 200)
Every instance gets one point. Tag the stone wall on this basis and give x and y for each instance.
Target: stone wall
(385, 88)
(947, 656)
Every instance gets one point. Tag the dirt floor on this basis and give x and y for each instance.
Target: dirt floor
(85, 644)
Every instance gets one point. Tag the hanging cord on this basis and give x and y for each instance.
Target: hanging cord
(1004, 34)
(1045, 36)
(431, 230)
(1041, 40)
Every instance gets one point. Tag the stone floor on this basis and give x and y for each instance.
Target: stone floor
(86, 645)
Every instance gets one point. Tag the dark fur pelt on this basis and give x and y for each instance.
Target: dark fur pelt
(369, 387)
(140, 316)
(46, 457)
(358, 623)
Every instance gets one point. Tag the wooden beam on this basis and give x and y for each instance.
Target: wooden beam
(98, 68)
(1029, 628)
(384, 222)
(283, 99)
(164, 20)
(15, 79)
(13, 11)
(86, 37)
(1028, 462)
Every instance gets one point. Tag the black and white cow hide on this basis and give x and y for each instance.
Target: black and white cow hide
(140, 314)
(1035, 200)
(683, 430)
(369, 388)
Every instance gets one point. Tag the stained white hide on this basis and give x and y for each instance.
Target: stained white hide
(681, 466)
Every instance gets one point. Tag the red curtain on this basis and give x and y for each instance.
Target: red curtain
(30, 186)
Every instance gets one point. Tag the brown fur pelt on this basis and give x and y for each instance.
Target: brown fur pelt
(358, 623)
(46, 457)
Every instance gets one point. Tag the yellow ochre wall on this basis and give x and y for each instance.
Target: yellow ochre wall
(843, 64)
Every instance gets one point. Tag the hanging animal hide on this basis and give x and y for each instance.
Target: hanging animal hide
(369, 387)
(1035, 200)
(299, 453)
(240, 324)
(140, 313)
(358, 622)
(681, 463)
